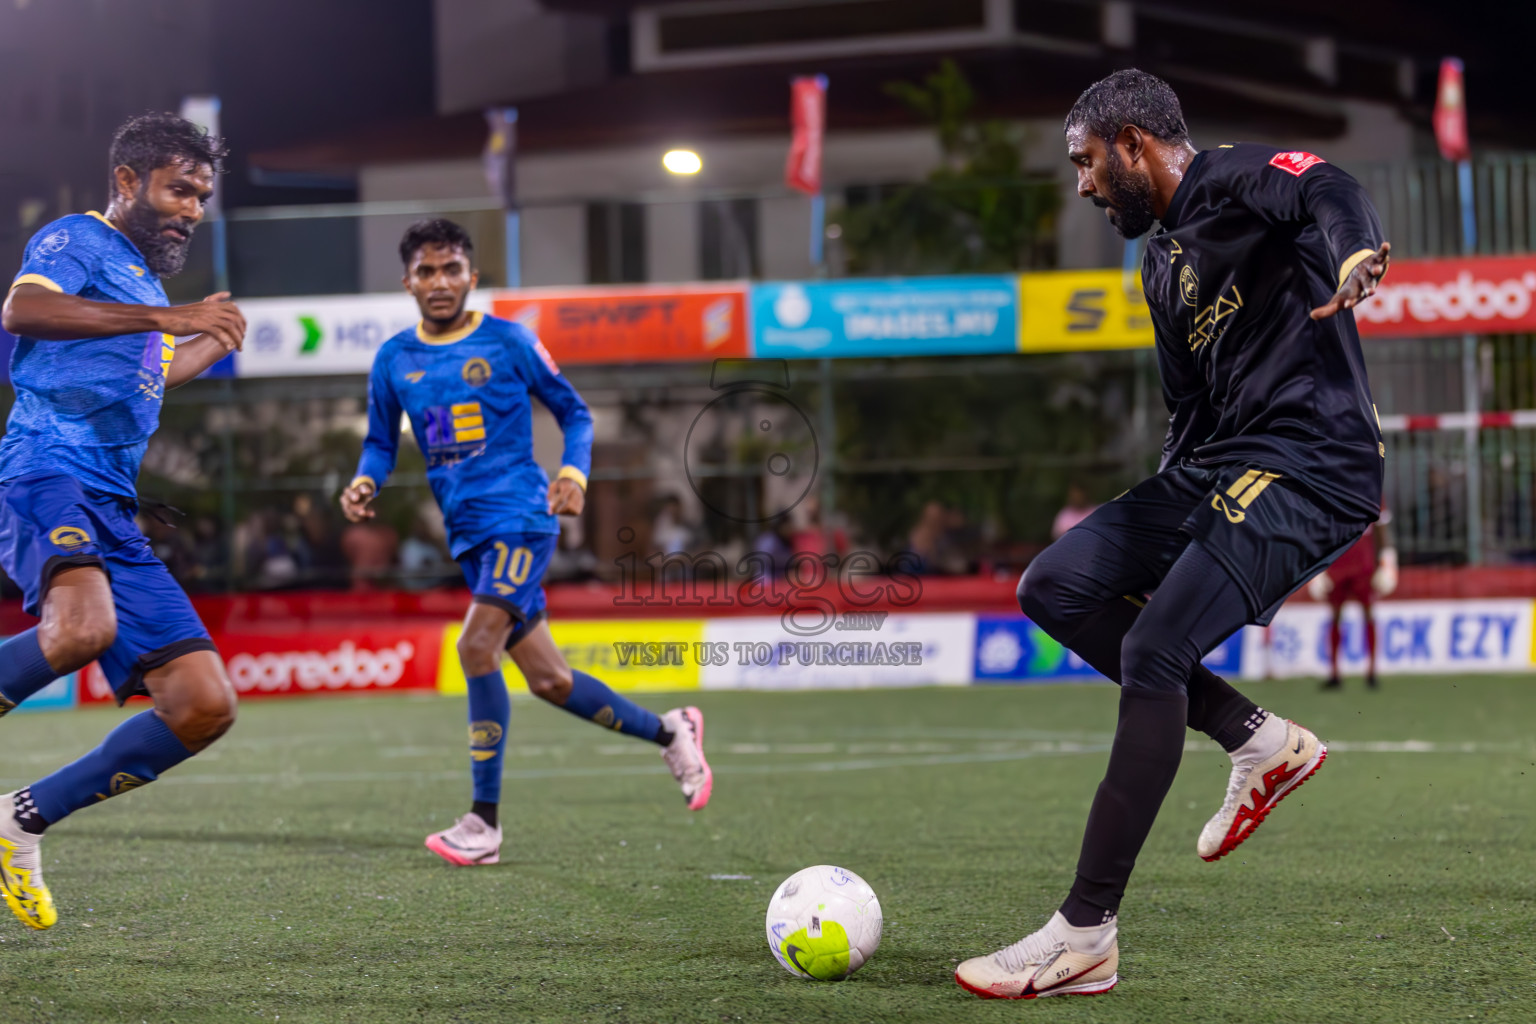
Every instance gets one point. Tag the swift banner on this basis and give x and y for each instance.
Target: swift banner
(1080, 310)
(916, 316)
(633, 325)
(327, 334)
(1479, 295)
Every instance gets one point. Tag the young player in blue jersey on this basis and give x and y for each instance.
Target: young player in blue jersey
(95, 352)
(465, 381)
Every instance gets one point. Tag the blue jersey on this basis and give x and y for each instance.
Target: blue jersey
(467, 396)
(86, 408)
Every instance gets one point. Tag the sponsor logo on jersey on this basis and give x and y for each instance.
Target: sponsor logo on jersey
(53, 243)
(476, 372)
(68, 537)
(1296, 162)
(414, 377)
(137, 271)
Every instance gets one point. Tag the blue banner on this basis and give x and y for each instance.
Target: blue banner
(918, 316)
(58, 695)
(1012, 649)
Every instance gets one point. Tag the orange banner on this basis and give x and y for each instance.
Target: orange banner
(634, 324)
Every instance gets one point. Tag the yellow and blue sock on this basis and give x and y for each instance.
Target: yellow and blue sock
(23, 669)
(490, 712)
(593, 700)
(134, 754)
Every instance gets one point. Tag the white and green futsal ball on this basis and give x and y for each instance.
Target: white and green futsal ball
(823, 923)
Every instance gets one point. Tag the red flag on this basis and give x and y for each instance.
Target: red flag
(1451, 112)
(808, 111)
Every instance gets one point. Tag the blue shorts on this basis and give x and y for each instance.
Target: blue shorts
(49, 523)
(508, 572)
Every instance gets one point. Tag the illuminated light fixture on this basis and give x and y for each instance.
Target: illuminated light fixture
(682, 161)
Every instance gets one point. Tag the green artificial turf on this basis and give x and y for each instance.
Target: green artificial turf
(281, 875)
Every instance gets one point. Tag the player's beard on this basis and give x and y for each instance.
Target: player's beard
(143, 225)
(1130, 196)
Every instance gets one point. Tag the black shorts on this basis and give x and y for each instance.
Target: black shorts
(1269, 537)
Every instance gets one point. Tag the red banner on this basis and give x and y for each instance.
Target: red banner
(633, 325)
(808, 113)
(1478, 295)
(1451, 112)
(374, 660)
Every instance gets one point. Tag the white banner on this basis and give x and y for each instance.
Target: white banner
(858, 649)
(1411, 636)
(325, 334)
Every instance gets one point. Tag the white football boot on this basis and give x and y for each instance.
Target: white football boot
(1279, 758)
(469, 843)
(685, 755)
(1057, 960)
(21, 871)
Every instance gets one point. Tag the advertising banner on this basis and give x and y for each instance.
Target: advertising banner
(914, 316)
(1411, 636)
(808, 117)
(1012, 649)
(322, 661)
(1479, 295)
(634, 324)
(630, 655)
(326, 334)
(59, 695)
(861, 649)
(1081, 310)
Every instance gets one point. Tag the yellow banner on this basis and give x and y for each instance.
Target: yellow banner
(630, 655)
(1082, 310)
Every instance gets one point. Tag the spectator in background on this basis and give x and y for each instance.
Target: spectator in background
(421, 560)
(1364, 572)
(939, 541)
(370, 548)
(210, 556)
(811, 537)
(775, 543)
(318, 540)
(1077, 509)
(669, 533)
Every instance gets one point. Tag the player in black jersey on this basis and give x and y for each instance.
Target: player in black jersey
(1271, 468)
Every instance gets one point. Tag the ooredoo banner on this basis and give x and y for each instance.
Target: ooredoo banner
(670, 323)
(1478, 295)
(316, 662)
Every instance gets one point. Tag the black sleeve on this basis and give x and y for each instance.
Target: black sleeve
(1185, 392)
(1290, 188)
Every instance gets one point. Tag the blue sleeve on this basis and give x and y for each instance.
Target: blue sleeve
(58, 259)
(382, 444)
(547, 382)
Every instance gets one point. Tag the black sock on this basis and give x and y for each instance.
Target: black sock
(664, 736)
(25, 813)
(486, 811)
(1149, 743)
(1220, 711)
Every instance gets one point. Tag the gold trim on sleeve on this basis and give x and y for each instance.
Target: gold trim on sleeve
(572, 473)
(1353, 262)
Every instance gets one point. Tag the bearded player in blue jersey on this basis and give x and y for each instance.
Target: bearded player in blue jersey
(95, 352)
(465, 381)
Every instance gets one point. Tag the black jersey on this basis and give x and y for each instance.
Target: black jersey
(1253, 240)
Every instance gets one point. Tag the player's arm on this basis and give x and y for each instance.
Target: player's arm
(195, 355)
(40, 308)
(567, 494)
(380, 447)
(1320, 194)
(1185, 393)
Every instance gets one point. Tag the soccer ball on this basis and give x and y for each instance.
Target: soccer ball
(823, 923)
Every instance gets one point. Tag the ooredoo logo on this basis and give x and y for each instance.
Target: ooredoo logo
(347, 667)
(1466, 296)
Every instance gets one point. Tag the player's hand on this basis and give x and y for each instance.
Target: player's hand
(216, 316)
(566, 498)
(1384, 579)
(355, 501)
(1359, 285)
(1319, 587)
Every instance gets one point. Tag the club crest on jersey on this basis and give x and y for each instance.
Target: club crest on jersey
(1189, 285)
(476, 372)
(68, 537)
(1296, 162)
